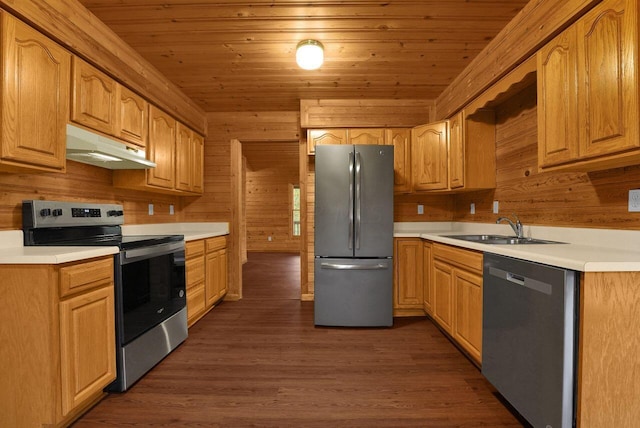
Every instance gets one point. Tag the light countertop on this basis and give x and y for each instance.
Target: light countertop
(586, 250)
(13, 251)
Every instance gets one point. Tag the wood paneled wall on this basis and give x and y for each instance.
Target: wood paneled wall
(81, 183)
(272, 170)
(571, 199)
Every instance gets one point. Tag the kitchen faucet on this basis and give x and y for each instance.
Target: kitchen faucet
(517, 226)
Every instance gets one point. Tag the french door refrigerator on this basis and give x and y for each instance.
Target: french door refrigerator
(353, 268)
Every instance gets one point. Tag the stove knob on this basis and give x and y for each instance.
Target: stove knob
(45, 212)
(57, 212)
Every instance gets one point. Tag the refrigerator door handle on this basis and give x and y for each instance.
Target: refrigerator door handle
(348, 266)
(351, 178)
(358, 206)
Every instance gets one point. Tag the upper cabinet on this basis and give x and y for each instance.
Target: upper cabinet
(472, 151)
(455, 155)
(35, 86)
(588, 92)
(400, 139)
(94, 98)
(324, 136)
(102, 104)
(178, 153)
(189, 160)
(366, 136)
(429, 146)
(133, 117)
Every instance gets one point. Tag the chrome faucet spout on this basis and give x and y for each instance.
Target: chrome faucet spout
(517, 226)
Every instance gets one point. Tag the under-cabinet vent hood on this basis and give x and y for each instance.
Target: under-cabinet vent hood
(88, 147)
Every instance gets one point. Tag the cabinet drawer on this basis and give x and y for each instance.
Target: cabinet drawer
(194, 248)
(195, 302)
(216, 243)
(469, 259)
(83, 276)
(195, 270)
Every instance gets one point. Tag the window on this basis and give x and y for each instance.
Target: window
(295, 210)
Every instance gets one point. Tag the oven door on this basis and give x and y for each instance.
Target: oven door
(151, 287)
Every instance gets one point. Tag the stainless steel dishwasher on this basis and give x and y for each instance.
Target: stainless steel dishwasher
(529, 338)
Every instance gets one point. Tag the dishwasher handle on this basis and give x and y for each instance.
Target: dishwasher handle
(521, 280)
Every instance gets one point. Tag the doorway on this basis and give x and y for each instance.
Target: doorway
(266, 204)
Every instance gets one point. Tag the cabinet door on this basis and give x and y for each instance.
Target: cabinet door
(443, 283)
(325, 136)
(366, 136)
(429, 156)
(184, 174)
(400, 138)
(94, 99)
(608, 79)
(408, 293)
(197, 163)
(558, 100)
(195, 302)
(133, 117)
(212, 280)
(468, 312)
(35, 99)
(223, 283)
(456, 151)
(427, 281)
(87, 346)
(161, 148)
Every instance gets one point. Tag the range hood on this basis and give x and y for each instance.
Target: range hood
(88, 147)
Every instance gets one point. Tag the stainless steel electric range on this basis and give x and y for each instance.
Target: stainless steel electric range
(149, 277)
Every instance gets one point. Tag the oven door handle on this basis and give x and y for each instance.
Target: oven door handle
(134, 254)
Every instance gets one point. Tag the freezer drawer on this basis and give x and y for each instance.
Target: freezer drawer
(353, 292)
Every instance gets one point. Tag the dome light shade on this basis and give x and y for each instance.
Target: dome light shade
(309, 54)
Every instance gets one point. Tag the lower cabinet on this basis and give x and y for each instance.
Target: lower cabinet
(195, 271)
(206, 266)
(58, 339)
(216, 283)
(408, 277)
(457, 297)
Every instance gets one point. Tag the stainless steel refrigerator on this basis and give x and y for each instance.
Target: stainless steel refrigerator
(353, 236)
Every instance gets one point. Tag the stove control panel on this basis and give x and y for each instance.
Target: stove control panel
(37, 214)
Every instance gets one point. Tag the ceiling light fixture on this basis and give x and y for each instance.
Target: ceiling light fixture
(309, 54)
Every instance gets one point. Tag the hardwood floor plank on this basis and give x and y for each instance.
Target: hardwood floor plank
(260, 362)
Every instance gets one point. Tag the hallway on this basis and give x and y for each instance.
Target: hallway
(260, 362)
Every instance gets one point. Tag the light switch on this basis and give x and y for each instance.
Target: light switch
(150, 209)
(495, 207)
(472, 209)
(171, 210)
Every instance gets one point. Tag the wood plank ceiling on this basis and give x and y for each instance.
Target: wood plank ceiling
(240, 56)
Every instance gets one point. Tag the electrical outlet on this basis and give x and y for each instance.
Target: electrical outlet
(420, 209)
(634, 200)
(495, 207)
(472, 209)
(171, 210)
(269, 238)
(150, 209)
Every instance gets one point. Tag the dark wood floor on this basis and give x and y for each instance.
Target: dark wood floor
(260, 362)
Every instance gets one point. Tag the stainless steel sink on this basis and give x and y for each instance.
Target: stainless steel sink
(500, 239)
